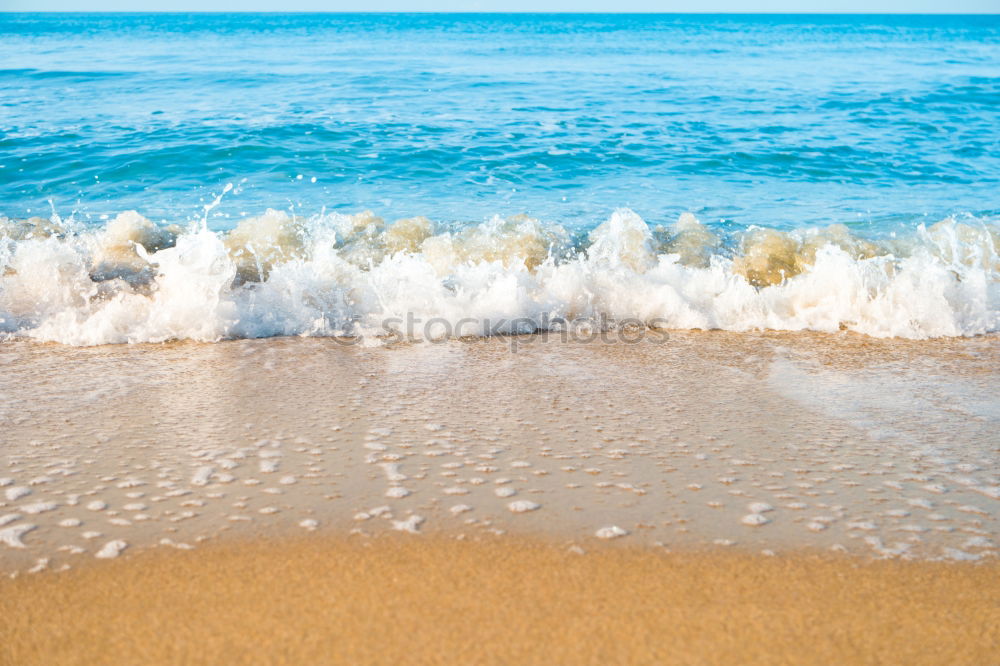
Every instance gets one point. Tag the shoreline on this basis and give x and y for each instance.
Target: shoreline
(495, 600)
(748, 442)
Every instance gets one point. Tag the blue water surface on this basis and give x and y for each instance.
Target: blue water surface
(784, 121)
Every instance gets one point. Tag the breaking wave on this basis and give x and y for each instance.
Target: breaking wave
(334, 274)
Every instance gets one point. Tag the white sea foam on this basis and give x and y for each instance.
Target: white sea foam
(610, 532)
(11, 536)
(523, 506)
(335, 275)
(111, 549)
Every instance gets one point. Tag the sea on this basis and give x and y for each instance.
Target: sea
(218, 176)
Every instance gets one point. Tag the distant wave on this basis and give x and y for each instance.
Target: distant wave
(334, 274)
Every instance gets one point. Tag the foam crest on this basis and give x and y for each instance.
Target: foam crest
(336, 274)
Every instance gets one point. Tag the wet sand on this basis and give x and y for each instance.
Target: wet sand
(433, 600)
(714, 498)
(741, 441)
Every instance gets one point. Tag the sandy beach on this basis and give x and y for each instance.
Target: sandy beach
(498, 600)
(696, 500)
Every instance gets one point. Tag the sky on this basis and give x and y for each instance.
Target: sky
(849, 6)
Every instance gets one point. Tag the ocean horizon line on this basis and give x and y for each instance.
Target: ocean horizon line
(495, 13)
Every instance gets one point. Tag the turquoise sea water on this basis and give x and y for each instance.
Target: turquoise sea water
(774, 120)
(210, 176)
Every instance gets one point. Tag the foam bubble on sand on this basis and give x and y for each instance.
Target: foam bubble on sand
(610, 532)
(175, 544)
(309, 524)
(392, 472)
(16, 493)
(523, 506)
(41, 564)
(202, 475)
(896, 550)
(755, 519)
(397, 492)
(39, 507)
(11, 536)
(111, 549)
(411, 524)
(8, 518)
(97, 505)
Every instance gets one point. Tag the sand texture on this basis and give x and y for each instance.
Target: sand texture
(503, 600)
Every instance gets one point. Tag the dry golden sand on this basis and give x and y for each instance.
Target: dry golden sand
(440, 601)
